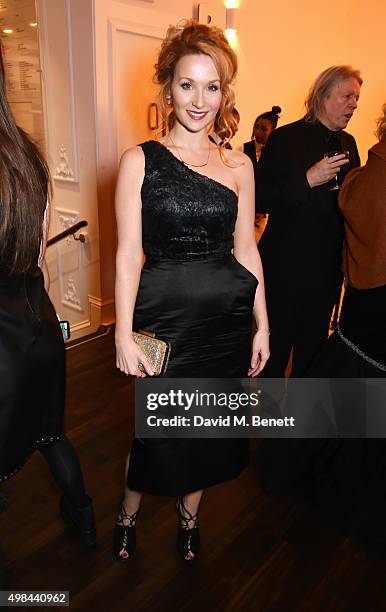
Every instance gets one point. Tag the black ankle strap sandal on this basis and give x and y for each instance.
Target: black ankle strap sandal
(188, 538)
(124, 536)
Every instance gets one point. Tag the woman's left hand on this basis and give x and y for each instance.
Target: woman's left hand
(260, 352)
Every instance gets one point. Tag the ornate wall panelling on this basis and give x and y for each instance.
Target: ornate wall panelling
(70, 255)
(58, 74)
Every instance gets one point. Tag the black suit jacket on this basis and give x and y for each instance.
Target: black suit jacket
(250, 150)
(302, 243)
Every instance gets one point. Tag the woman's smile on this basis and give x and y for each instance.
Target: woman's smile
(197, 115)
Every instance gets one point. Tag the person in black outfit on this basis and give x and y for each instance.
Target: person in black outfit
(302, 243)
(32, 355)
(262, 128)
(344, 475)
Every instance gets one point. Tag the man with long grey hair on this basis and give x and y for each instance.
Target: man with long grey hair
(297, 182)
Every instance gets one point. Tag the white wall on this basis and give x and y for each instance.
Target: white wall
(368, 52)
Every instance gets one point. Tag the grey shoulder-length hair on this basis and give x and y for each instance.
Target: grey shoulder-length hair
(323, 85)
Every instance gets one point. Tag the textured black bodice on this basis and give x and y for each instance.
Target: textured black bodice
(185, 215)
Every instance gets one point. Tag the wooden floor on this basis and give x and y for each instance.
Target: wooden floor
(258, 553)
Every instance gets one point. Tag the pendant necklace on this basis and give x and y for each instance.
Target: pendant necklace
(186, 163)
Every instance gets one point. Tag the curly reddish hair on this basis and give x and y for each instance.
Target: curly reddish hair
(193, 38)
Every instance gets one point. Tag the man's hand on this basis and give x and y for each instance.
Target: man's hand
(326, 169)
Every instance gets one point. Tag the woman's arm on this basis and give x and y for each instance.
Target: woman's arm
(245, 251)
(129, 258)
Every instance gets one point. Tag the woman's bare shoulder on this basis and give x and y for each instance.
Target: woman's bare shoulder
(133, 157)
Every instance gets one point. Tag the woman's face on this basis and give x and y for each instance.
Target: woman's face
(262, 130)
(195, 92)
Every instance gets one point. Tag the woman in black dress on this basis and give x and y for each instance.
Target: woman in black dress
(186, 203)
(32, 358)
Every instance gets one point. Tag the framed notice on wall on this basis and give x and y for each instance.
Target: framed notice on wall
(20, 46)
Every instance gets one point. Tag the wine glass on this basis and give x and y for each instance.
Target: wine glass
(335, 186)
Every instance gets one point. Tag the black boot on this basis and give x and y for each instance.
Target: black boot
(81, 519)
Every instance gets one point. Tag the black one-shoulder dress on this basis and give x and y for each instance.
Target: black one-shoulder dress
(195, 294)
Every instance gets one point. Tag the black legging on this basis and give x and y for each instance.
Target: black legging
(65, 467)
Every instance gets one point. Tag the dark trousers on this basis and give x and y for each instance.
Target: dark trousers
(299, 321)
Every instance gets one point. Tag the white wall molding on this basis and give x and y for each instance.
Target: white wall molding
(59, 89)
(92, 323)
(70, 262)
(66, 34)
(102, 310)
(63, 170)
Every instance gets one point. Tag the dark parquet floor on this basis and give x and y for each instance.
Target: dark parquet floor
(259, 553)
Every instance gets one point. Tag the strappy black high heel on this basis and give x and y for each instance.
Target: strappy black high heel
(124, 537)
(188, 538)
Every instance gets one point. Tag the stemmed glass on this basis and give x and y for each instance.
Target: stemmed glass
(335, 186)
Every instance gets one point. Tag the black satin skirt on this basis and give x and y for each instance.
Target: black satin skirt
(204, 308)
(32, 370)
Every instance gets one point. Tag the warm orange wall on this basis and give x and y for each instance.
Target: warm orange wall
(368, 51)
(283, 46)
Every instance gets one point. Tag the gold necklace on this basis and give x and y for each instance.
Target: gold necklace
(186, 163)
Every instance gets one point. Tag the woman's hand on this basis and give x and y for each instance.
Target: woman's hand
(129, 356)
(326, 169)
(260, 352)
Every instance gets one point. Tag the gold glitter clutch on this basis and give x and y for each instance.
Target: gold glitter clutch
(157, 351)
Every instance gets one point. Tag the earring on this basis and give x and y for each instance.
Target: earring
(168, 99)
